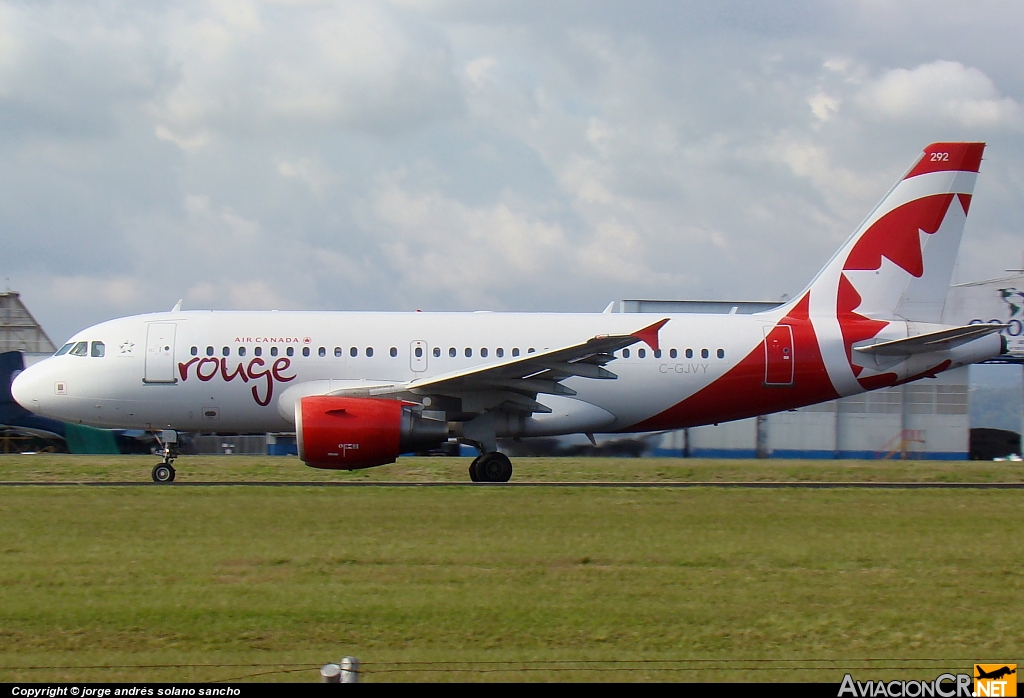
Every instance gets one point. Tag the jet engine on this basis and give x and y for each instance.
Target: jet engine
(348, 433)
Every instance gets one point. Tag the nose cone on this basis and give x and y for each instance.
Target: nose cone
(27, 390)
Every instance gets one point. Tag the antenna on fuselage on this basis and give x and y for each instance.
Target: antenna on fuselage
(177, 306)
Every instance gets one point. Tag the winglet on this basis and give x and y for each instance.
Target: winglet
(177, 306)
(650, 334)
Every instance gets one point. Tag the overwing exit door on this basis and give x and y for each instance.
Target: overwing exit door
(160, 353)
(778, 355)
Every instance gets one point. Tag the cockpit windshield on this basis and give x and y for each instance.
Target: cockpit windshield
(82, 349)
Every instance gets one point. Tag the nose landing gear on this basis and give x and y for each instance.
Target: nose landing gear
(164, 471)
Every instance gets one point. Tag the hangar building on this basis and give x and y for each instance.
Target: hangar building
(19, 331)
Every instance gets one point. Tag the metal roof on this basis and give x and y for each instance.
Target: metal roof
(19, 331)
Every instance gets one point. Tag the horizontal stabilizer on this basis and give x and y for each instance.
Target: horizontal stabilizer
(931, 341)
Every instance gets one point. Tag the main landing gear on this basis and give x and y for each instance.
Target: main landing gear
(491, 467)
(164, 471)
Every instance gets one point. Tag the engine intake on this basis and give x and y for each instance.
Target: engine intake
(348, 433)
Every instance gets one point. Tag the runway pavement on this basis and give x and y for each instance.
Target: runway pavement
(645, 485)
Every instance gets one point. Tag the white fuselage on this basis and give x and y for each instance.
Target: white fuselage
(214, 371)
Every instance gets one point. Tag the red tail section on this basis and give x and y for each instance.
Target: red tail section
(746, 390)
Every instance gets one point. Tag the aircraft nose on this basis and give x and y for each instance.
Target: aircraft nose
(26, 389)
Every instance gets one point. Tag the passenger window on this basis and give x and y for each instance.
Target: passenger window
(469, 352)
(305, 351)
(452, 352)
(657, 353)
(625, 353)
(369, 351)
(273, 351)
(641, 353)
(394, 351)
(483, 352)
(209, 351)
(321, 352)
(241, 351)
(258, 351)
(98, 349)
(437, 352)
(500, 352)
(290, 351)
(81, 349)
(689, 353)
(419, 352)
(337, 352)
(67, 347)
(721, 353)
(226, 351)
(703, 353)
(530, 350)
(353, 352)
(672, 353)
(515, 351)
(194, 351)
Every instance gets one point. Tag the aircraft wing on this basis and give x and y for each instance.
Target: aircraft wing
(931, 341)
(515, 382)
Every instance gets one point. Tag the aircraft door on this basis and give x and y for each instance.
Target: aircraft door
(160, 353)
(418, 355)
(778, 355)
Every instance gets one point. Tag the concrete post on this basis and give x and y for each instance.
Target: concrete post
(761, 436)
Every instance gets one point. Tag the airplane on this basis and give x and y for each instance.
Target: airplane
(361, 388)
(995, 674)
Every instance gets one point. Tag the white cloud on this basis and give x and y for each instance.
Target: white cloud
(482, 254)
(76, 291)
(824, 106)
(940, 91)
(311, 171)
(252, 66)
(478, 69)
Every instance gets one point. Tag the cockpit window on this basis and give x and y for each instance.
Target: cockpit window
(81, 349)
(65, 349)
(98, 349)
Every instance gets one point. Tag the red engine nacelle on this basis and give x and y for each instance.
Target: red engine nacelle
(348, 433)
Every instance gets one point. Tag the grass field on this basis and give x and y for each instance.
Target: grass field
(671, 584)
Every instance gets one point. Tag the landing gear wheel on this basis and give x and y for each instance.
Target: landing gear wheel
(472, 470)
(163, 472)
(493, 467)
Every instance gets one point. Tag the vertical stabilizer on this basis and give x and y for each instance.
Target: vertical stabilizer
(898, 265)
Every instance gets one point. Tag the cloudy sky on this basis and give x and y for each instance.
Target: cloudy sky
(451, 155)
